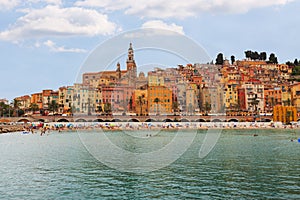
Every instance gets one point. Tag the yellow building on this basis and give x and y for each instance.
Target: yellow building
(159, 100)
(141, 102)
(231, 95)
(155, 80)
(190, 100)
(286, 96)
(295, 95)
(285, 114)
(37, 98)
(65, 95)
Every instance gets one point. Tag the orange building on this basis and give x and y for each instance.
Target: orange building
(285, 114)
(159, 100)
(140, 102)
(37, 98)
(295, 95)
(273, 97)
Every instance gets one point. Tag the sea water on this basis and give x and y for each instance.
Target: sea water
(240, 166)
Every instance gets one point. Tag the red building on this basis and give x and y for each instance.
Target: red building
(242, 98)
(119, 97)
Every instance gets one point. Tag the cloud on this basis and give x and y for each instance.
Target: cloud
(180, 9)
(53, 47)
(58, 22)
(162, 25)
(8, 4)
(53, 2)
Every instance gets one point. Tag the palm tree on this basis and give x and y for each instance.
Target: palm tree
(130, 103)
(288, 116)
(141, 103)
(289, 102)
(53, 106)
(207, 107)
(16, 107)
(255, 103)
(3, 108)
(156, 100)
(34, 107)
(107, 108)
(175, 107)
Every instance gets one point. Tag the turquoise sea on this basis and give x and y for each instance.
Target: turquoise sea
(241, 166)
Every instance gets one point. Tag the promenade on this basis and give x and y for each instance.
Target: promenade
(119, 118)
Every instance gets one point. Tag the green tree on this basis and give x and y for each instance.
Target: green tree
(290, 64)
(248, 54)
(156, 101)
(296, 70)
(34, 107)
(289, 102)
(296, 62)
(16, 107)
(273, 59)
(288, 116)
(220, 59)
(130, 103)
(141, 102)
(99, 108)
(254, 102)
(53, 106)
(232, 59)
(263, 56)
(4, 109)
(254, 55)
(207, 107)
(107, 108)
(175, 107)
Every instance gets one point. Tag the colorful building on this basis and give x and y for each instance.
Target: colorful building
(273, 97)
(140, 102)
(159, 100)
(295, 95)
(24, 102)
(37, 98)
(285, 114)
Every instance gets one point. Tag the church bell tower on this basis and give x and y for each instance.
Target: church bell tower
(131, 66)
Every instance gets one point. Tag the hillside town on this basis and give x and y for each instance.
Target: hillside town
(250, 87)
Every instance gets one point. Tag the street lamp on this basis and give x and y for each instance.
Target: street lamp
(89, 107)
(48, 104)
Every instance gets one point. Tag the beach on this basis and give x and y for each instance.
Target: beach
(137, 126)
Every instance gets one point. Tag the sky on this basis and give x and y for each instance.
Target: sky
(45, 43)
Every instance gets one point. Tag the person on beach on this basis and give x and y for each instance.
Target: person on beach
(43, 131)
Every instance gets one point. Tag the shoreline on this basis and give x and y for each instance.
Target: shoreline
(144, 126)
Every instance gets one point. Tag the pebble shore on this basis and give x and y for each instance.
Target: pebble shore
(11, 128)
